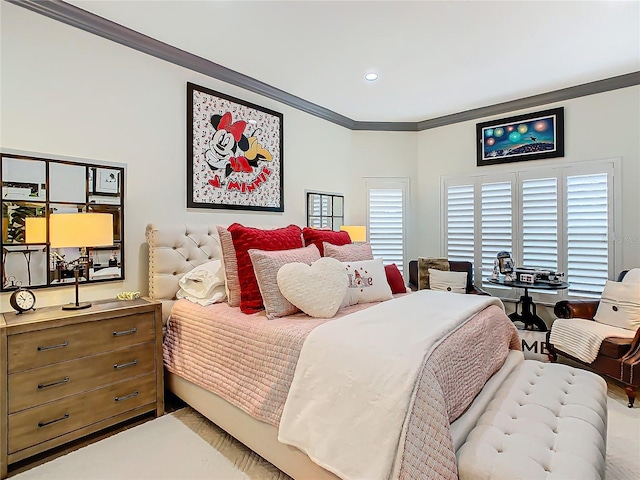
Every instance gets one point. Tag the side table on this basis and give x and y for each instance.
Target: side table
(528, 314)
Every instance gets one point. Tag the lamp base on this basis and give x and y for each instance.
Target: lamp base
(76, 306)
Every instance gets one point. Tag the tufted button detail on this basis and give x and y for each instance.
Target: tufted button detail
(448, 289)
(614, 308)
(175, 273)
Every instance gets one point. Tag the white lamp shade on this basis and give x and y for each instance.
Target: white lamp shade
(80, 230)
(35, 229)
(357, 233)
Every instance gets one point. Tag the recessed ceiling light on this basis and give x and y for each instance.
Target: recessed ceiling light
(371, 76)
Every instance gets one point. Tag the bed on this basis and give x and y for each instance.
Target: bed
(237, 369)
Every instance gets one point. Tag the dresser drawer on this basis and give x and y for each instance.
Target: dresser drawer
(45, 384)
(46, 347)
(45, 422)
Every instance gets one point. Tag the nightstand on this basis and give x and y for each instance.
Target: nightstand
(65, 374)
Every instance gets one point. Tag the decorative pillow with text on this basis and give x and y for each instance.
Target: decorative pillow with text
(367, 282)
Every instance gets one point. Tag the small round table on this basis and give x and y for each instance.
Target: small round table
(528, 314)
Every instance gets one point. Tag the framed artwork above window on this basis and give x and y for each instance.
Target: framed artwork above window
(325, 210)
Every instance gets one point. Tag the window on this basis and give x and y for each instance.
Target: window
(556, 219)
(325, 210)
(386, 207)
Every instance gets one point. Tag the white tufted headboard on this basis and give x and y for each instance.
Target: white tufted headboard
(175, 250)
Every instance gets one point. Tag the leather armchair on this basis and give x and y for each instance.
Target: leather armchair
(618, 358)
(454, 266)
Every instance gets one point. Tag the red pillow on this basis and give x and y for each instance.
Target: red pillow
(316, 236)
(245, 238)
(394, 279)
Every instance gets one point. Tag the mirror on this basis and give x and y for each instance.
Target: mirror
(34, 188)
(325, 210)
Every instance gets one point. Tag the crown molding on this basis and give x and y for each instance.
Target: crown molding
(89, 22)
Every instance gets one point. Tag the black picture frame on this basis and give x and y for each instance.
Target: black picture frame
(532, 136)
(234, 153)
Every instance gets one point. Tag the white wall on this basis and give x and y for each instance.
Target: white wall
(385, 155)
(596, 127)
(69, 93)
(65, 92)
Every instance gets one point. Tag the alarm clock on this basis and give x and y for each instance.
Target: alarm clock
(22, 300)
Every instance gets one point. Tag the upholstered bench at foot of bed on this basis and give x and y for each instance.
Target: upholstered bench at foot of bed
(545, 421)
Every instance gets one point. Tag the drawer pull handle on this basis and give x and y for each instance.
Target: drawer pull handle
(53, 384)
(51, 347)
(44, 424)
(125, 332)
(126, 397)
(125, 365)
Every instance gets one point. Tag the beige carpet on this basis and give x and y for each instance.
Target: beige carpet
(179, 446)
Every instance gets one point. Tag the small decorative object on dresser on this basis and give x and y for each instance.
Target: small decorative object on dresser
(68, 374)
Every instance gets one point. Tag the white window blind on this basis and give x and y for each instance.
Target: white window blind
(460, 223)
(587, 233)
(386, 224)
(540, 223)
(560, 218)
(496, 222)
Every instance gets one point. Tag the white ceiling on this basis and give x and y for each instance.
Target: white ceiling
(434, 58)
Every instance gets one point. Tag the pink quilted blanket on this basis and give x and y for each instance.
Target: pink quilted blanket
(250, 361)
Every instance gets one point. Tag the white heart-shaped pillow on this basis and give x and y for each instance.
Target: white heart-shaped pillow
(317, 289)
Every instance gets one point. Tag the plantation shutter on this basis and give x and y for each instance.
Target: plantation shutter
(587, 233)
(496, 223)
(386, 225)
(540, 223)
(460, 227)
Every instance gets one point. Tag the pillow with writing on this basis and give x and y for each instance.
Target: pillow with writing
(367, 282)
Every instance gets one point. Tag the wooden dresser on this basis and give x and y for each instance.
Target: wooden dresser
(65, 374)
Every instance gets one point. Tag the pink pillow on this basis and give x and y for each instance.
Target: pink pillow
(266, 266)
(317, 237)
(246, 238)
(349, 253)
(230, 266)
(394, 278)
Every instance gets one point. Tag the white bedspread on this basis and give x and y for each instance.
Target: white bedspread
(582, 338)
(355, 379)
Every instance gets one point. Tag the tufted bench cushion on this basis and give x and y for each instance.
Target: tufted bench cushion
(546, 421)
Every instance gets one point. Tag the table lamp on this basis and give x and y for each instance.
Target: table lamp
(357, 233)
(80, 230)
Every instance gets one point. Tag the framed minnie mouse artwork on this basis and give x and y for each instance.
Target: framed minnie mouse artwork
(234, 153)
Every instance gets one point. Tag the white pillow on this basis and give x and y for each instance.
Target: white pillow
(316, 289)
(205, 284)
(632, 276)
(455, 282)
(620, 305)
(367, 282)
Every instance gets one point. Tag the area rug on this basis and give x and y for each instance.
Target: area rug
(162, 449)
(186, 446)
